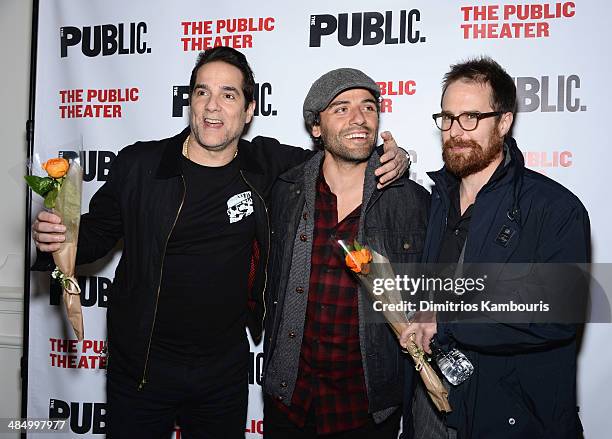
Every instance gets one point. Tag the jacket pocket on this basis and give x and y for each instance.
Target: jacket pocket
(515, 271)
(514, 414)
(396, 245)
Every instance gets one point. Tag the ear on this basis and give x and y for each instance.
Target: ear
(316, 131)
(250, 111)
(505, 123)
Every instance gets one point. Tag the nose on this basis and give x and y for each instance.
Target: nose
(212, 103)
(357, 117)
(455, 129)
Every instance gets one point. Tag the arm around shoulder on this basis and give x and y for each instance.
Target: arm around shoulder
(279, 156)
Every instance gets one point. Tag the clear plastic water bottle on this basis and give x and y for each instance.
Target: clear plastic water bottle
(453, 364)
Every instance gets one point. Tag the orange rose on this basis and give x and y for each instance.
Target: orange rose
(56, 168)
(359, 260)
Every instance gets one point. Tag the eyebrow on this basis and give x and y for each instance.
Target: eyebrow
(467, 111)
(224, 87)
(337, 103)
(229, 88)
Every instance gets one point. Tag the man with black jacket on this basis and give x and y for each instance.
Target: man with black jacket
(191, 211)
(487, 208)
(331, 370)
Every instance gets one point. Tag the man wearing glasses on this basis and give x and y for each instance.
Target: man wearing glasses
(488, 208)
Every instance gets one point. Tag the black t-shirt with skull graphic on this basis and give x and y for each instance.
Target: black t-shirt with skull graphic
(203, 296)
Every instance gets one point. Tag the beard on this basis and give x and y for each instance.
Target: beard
(475, 159)
(334, 144)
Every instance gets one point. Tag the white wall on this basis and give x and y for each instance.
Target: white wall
(15, 37)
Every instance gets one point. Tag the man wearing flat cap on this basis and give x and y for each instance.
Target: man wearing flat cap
(328, 369)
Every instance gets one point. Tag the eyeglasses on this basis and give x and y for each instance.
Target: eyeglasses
(468, 121)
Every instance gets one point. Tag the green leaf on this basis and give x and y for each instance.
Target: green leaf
(40, 185)
(50, 198)
(358, 247)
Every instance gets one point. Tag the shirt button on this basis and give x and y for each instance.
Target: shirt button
(456, 232)
(303, 237)
(279, 398)
(283, 383)
(305, 216)
(511, 421)
(292, 334)
(298, 191)
(406, 245)
(299, 290)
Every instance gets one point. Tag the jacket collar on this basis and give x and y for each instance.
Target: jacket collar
(247, 159)
(511, 174)
(170, 164)
(310, 168)
(307, 173)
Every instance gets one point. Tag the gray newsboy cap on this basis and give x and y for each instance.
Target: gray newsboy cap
(330, 85)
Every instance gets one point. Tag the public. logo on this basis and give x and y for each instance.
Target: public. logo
(261, 95)
(84, 417)
(104, 39)
(256, 367)
(548, 94)
(94, 291)
(367, 28)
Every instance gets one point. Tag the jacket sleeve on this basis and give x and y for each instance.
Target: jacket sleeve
(565, 239)
(102, 227)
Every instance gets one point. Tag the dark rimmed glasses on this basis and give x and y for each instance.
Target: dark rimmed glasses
(468, 121)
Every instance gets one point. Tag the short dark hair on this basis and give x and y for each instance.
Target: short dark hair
(484, 70)
(230, 56)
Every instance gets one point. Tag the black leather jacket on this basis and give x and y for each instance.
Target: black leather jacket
(140, 203)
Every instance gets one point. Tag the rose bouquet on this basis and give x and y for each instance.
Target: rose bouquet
(61, 190)
(368, 266)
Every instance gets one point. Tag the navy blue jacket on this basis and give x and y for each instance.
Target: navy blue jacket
(524, 383)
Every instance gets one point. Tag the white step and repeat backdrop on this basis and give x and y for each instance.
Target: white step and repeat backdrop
(115, 72)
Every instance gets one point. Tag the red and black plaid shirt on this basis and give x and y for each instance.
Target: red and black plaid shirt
(330, 377)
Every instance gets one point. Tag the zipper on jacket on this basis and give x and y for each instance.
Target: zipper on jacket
(143, 380)
(263, 299)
